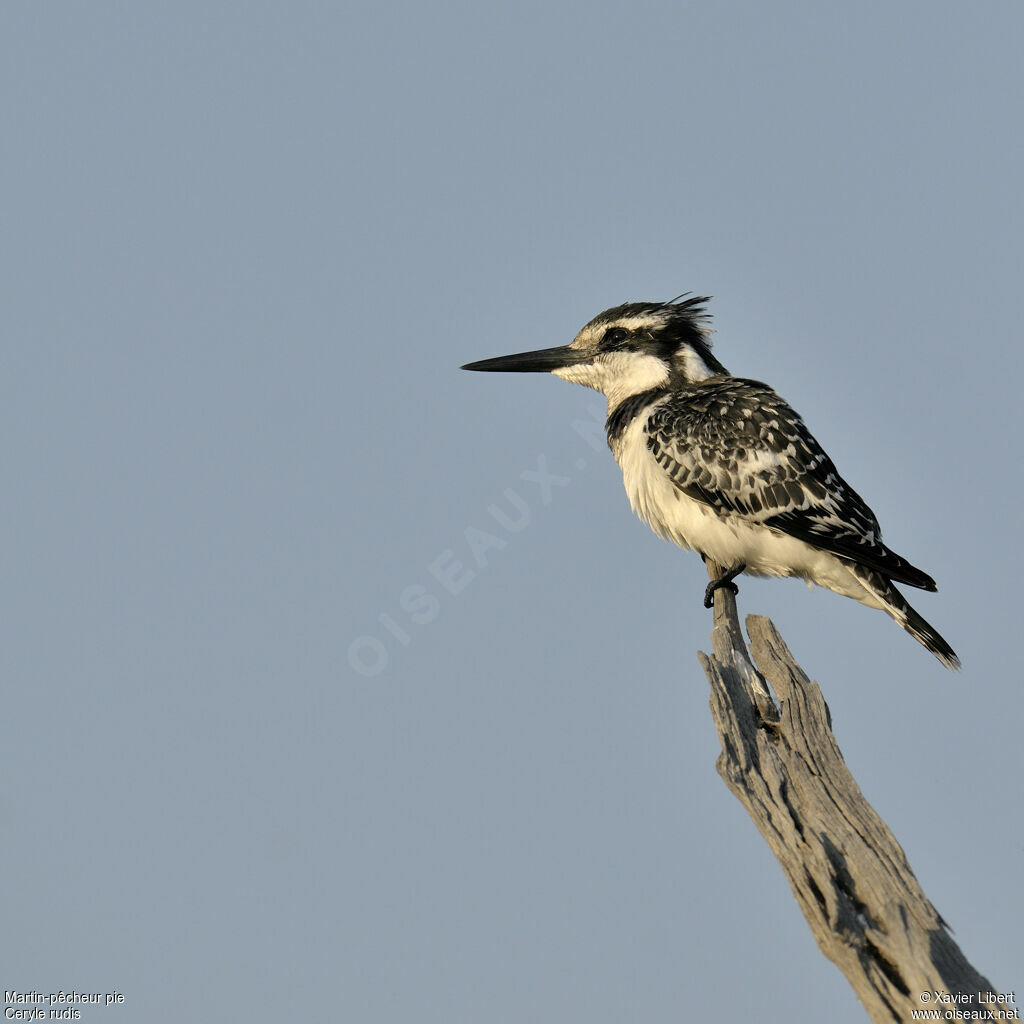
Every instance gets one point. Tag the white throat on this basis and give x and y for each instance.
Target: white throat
(619, 375)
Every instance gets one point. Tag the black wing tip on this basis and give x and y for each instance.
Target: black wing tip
(916, 578)
(900, 570)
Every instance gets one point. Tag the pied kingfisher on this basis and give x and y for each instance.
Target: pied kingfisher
(722, 465)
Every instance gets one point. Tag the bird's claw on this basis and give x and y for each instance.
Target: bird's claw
(709, 591)
(725, 580)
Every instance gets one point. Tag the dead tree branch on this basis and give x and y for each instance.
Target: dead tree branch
(850, 877)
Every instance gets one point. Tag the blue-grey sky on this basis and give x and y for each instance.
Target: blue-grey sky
(322, 697)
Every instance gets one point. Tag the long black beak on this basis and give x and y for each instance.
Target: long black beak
(544, 360)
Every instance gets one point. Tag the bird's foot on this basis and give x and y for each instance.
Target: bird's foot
(725, 580)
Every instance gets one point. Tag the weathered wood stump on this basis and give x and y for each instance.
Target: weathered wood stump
(848, 873)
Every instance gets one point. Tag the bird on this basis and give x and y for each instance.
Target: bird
(724, 466)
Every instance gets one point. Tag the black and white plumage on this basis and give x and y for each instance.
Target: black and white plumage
(722, 465)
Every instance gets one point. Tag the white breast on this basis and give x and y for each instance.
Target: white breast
(728, 539)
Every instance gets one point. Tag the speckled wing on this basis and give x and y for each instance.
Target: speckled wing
(737, 446)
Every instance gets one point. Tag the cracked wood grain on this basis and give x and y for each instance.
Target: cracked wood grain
(848, 873)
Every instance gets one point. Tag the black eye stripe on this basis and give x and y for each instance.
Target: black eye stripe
(617, 338)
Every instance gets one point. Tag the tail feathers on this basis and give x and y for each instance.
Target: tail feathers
(928, 635)
(896, 606)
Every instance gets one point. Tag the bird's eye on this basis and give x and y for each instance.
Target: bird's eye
(615, 335)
